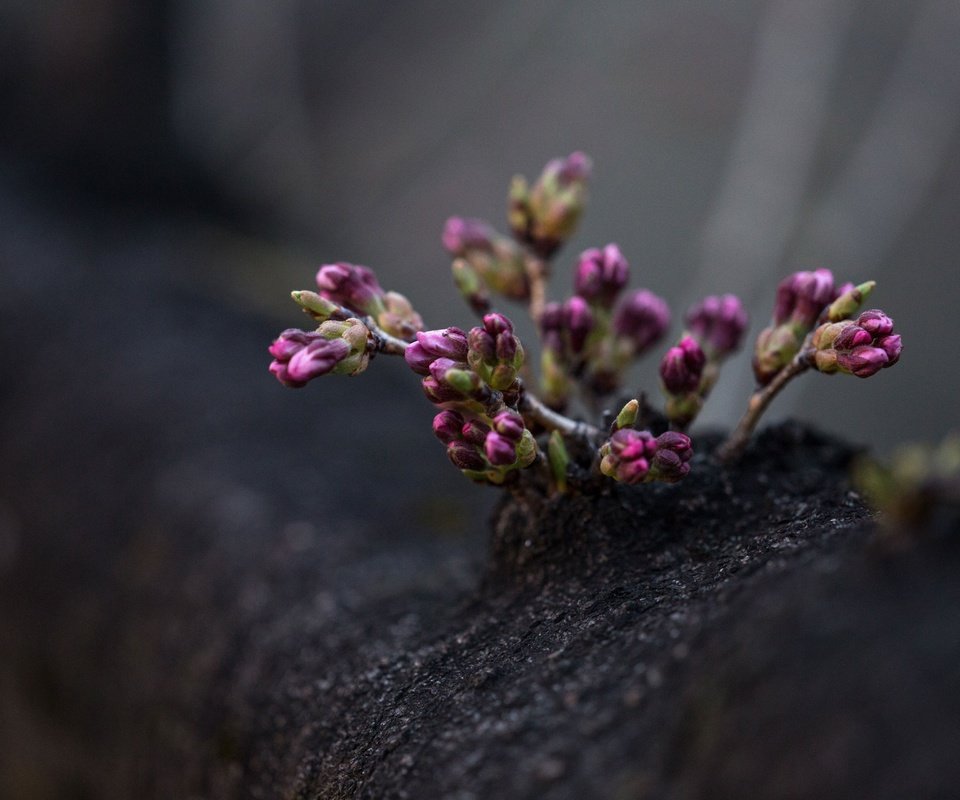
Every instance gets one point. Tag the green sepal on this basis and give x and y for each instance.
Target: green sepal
(627, 416)
(849, 303)
(559, 460)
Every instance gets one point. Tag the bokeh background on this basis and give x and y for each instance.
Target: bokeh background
(170, 170)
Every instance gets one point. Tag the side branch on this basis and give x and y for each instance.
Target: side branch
(733, 447)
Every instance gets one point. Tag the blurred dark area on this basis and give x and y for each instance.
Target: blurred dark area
(170, 170)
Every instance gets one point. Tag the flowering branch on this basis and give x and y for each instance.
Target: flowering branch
(492, 426)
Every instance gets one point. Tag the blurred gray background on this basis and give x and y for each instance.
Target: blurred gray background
(733, 142)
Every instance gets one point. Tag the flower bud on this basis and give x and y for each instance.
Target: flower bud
(465, 456)
(398, 317)
(862, 347)
(475, 432)
(719, 323)
(545, 215)
(642, 318)
(579, 321)
(802, 297)
(510, 425)
(470, 286)
(682, 367)
(447, 426)
(601, 275)
(499, 450)
(494, 353)
(497, 260)
(448, 343)
(670, 462)
(300, 356)
(352, 286)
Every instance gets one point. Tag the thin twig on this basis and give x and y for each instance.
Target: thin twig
(733, 447)
(530, 405)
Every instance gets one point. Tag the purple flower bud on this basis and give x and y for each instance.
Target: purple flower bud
(875, 322)
(553, 317)
(802, 297)
(670, 464)
(719, 323)
(352, 286)
(465, 456)
(601, 274)
(317, 358)
(461, 234)
(860, 348)
(300, 356)
(438, 392)
(891, 345)
(448, 343)
(494, 353)
(631, 456)
(475, 431)
(862, 361)
(682, 367)
(499, 450)
(545, 215)
(447, 426)
(578, 321)
(642, 318)
(509, 424)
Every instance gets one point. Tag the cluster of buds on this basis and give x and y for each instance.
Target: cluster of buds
(486, 418)
(473, 379)
(689, 370)
(590, 338)
(485, 449)
(801, 299)
(631, 456)
(357, 288)
(485, 259)
(336, 347)
(860, 347)
(545, 215)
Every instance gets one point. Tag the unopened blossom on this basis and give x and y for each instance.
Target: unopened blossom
(601, 275)
(338, 347)
(545, 215)
(682, 367)
(578, 323)
(494, 352)
(860, 347)
(719, 323)
(642, 318)
(486, 449)
(631, 456)
(352, 286)
(444, 343)
(496, 259)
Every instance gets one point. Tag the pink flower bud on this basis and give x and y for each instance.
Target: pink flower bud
(643, 318)
(510, 425)
(601, 274)
(578, 321)
(465, 456)
(499, 450)
(875, 322)
(719, 323)
(447, 426)
(448, 343)
(682, 367)
(352, 286)
(475, 431)
(462, 234)
(862, 361)
(891, 345)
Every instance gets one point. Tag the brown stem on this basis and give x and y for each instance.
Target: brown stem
(531, 406)
(733, 447)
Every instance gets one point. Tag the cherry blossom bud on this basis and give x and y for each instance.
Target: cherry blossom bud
(352, 286)
(447, 426)
(444, 343)
(682, 367)
(578, 321)
(494, 353)
(497, 260)
(545, 215)
(601, 275)
(642, 318)
(719, 323)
